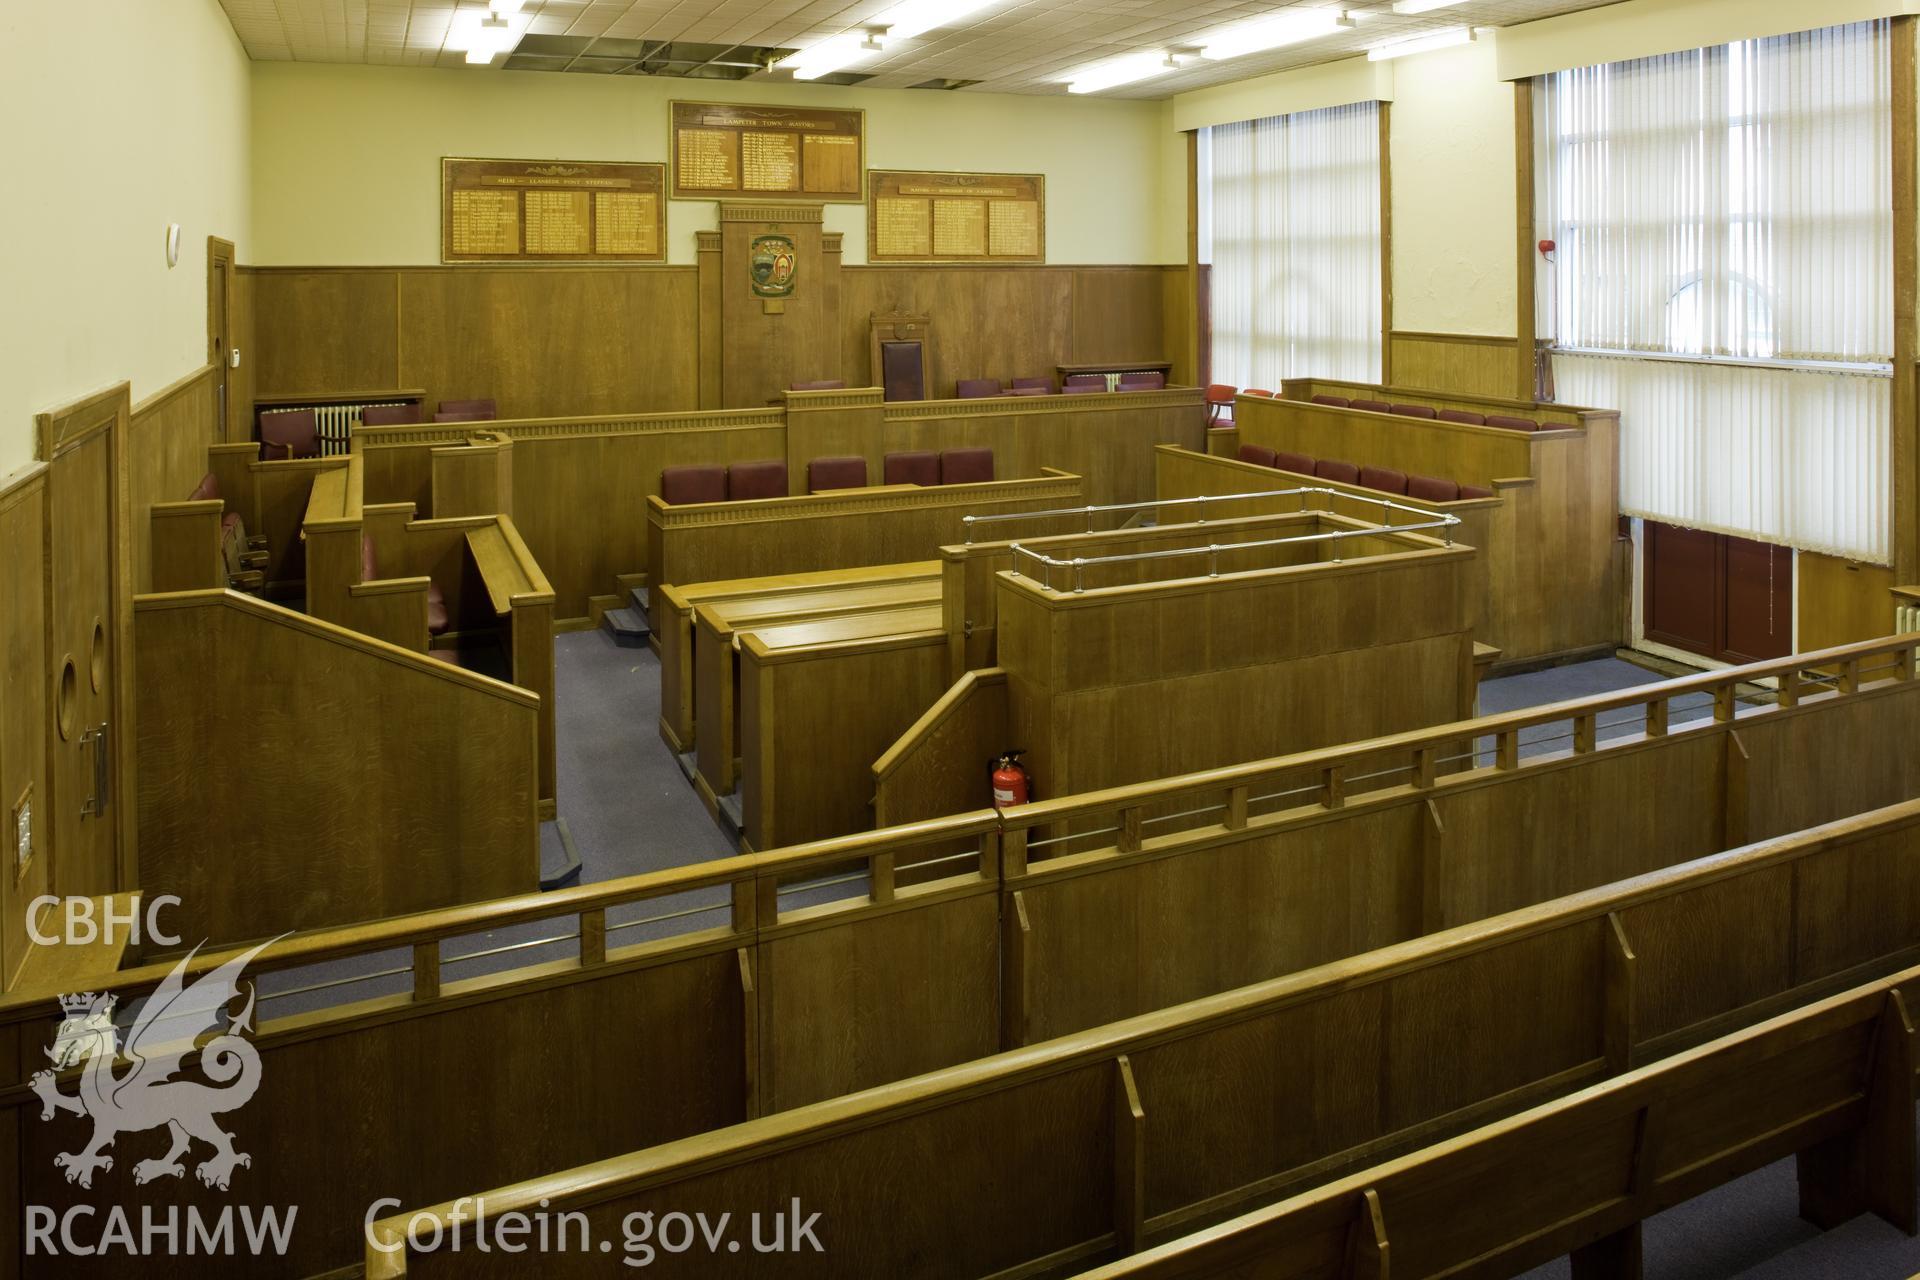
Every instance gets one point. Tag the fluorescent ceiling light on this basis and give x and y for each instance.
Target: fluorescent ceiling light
(508, 7)
(1407, 8)
(830, 55)
(1108, 75)
(913, 17)
(1421, 44)
(1275, 32)
(478, 30)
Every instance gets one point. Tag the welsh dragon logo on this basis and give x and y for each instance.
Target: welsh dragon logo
(146, 1095)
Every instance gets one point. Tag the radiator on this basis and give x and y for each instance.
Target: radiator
(335, 423)
(1906, 618)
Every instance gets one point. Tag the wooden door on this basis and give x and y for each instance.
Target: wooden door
(1726, 598)
(219, 330)
(84, 641)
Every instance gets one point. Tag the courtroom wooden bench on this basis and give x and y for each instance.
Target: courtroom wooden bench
(759, 1011)
(673, 606)
(1831, 1084)
(717, 627)
(1097, 1142)
(819, 701)
(710, 541)
(1553, 542)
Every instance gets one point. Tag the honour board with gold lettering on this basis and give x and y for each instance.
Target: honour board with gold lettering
(736, 151)
(956, 217)
(552, 211)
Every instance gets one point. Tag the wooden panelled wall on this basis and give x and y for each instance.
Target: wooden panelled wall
(546, 341)
(167, 437)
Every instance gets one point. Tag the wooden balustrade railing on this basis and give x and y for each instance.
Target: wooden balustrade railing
(1005, 840)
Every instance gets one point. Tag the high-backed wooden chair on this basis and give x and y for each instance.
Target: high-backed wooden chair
(289, 433)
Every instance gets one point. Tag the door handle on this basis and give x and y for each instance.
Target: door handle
(96, 804)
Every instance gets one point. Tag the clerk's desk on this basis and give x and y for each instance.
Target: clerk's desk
(673, 607)
(716, 672)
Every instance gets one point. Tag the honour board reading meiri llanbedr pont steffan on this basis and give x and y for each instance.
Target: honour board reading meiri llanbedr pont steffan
(552, 211)
(734, 150)
(956, 217)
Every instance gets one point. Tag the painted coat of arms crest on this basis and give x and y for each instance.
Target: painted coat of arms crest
(772, 263)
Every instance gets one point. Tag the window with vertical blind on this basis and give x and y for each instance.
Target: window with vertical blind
(1292, 232)
(1724, 278)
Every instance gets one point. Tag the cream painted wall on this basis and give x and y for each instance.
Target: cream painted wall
(1453, 194)
(346, 160)
(148, 127)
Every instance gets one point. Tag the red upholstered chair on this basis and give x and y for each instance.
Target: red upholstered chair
(475, 410)
(976, 388)
(824, 474)
(1045, 385)
(1220, 403)
(1337, 402)
(1371, 406)
(966, 466)
(1463, 416)
(1143, 381)
(1343, 472)
(682, 485)
(1432, 489)
(289, 433)
(207, 490)
(818, 384)
(1084, 388)
(1257, 391)
(437, 618)
(764, 479)
(1416, 411)
(1085, 382)
(1029, 391)
(390, 415)
(1258, 454)
(1296, 462)
(918, 466)
(1511, 424)
(1470, 491)
(1385, 479)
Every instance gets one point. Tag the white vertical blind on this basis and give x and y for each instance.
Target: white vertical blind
(1731, 204)
(1295, 231)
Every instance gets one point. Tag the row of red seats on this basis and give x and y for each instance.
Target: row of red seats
(1381, 479)
(295, 433)
(745, 481)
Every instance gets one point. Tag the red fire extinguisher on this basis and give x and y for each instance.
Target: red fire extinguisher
(1011, 782)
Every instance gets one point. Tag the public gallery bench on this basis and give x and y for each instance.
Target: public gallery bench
(673, 607)
(750, 1004)
(1095, 1143)
(711, 541)
(202, 542)
(1553, 545)
(1831, 1084)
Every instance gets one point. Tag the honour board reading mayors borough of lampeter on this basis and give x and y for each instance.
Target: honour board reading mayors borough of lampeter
(552, 211)
(723, 150)
(956, 217)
